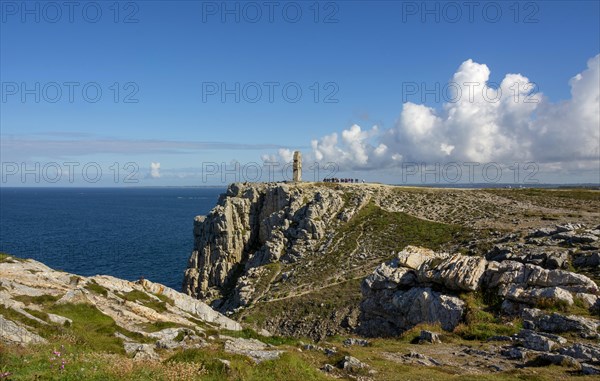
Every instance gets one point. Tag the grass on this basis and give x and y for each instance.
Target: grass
(38, 314)
(180, 336)
(377, 355)
(580, 308)
(248, 333)
(159, 326)
(148, 301)
(42, 300)
(480, 323)
(43, 330)
(574, 199)
(4, 257)
(209, 361)
(412, 335)
(263, 283)
(317, 307)
(575, 194)
(165, 299)
(33, 363)
(93, 330)
(289, 366)
(379, 232)
(39, 363)
(96, 288)
(75, 279)
(329, 284)
(484, 330)
(550, 304)
(553, 305)
(87, 358)
(402, 229)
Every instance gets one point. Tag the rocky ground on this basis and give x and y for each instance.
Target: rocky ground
(322, 281)
(36, 300)
(293, 259)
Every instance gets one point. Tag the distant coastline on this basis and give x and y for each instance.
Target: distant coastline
(591, 186)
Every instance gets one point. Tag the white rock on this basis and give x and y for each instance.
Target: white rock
(534, 295)
(413, 257)
(255, 349)
(59, 319)
(13, 333)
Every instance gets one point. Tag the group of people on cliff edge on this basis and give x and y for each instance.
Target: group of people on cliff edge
(343, 180)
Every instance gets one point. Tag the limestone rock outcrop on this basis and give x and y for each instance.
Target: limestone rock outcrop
(506, 273)
(257, 224)
(255, 349)
(554, 322)
(132, 305)
(422, 286)
(391, 312)
(13, 333)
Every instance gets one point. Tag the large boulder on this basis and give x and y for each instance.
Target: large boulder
(423, 266)
(506, 273)
(255, 349)
(389, 313)
(457, 272)
(558, 323)
(390, 276)
(538, 342)
(591, 260)
(351, 364)
(141, 351)
(534, 296)
(413, 257)
(191, 305)
(584, 352)
(544, 257)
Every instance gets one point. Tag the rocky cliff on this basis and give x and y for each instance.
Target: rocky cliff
(290, 257)
(491, 284)
(257, 224)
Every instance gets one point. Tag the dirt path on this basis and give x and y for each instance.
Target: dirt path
(313, 290)
(350, 255)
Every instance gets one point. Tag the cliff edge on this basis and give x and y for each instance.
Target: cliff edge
(257, 224)
(291, 257)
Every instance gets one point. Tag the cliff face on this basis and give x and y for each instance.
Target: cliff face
(257, 224)
(290, 258)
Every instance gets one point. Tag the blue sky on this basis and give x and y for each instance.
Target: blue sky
(362, 58)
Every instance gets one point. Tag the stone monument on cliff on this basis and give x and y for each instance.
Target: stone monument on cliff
(297, 167)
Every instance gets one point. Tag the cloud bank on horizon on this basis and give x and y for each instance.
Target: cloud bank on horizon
(478, 123)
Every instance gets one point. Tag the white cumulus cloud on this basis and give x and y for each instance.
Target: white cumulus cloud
(480, 122)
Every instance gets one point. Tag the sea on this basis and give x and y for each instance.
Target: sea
(124, 232)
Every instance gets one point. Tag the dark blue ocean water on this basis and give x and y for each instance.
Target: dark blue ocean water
(124, 232)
